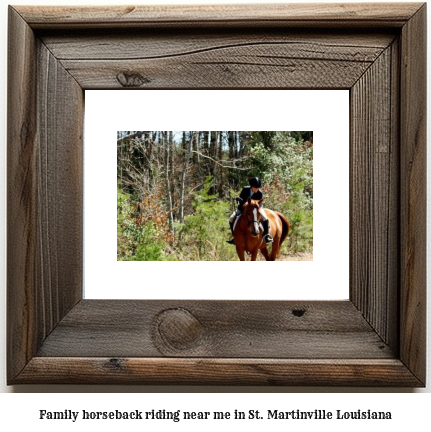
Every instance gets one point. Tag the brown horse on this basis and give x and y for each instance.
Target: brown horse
(249, 237)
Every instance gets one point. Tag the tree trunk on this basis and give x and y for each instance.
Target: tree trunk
(213, 154)
(184, 174)
(231, 141)
(168, 144)
(220, 173)
(198, 155)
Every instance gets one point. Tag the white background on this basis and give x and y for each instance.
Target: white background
(324, 278)
(21, 409)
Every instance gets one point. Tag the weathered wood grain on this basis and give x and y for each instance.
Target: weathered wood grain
(376, 338)
(199, 71)
(391, 300)
(197, 371)
(45, 106)
(301, 15)
(235, 329)
(59, 180)
(374, 193)
(413, 194)
(139, 44)
(21, 194)
(253, 59)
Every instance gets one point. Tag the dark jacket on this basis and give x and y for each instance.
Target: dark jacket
(247, 192)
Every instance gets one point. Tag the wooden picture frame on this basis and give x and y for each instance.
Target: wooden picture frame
(376, 338)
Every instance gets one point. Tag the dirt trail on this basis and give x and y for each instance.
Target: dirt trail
(301, 256)
(296, 257)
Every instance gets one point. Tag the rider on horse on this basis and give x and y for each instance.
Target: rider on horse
(253, 191)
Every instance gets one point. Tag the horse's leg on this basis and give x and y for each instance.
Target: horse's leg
(275, 249)
(241, 254)
(254, 254)
(265, 253)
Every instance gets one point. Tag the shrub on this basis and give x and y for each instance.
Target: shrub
(204, 233)
(286, 169)
(136, 240)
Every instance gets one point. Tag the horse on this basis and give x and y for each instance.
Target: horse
(249, 237)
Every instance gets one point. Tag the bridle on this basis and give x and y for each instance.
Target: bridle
(254, 221)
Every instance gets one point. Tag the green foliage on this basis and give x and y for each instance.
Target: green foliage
(148, 226)
(136, 242)
(205, 231)
(286, 169)
(299, 208)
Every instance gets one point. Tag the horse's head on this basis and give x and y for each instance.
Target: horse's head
(252, 215)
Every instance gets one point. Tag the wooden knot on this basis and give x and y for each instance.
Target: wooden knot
(131, 79)
(176, 330)
(115, 363)
(298, 312)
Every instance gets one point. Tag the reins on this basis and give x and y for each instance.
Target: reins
(249, 223)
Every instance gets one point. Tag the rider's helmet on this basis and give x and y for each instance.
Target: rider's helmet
(255, 182)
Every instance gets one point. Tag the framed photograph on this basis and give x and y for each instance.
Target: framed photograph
(186, 245)
(376, 337)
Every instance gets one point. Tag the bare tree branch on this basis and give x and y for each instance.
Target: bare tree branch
(219, 163)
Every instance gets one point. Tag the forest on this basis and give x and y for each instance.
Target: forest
(177, 189)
